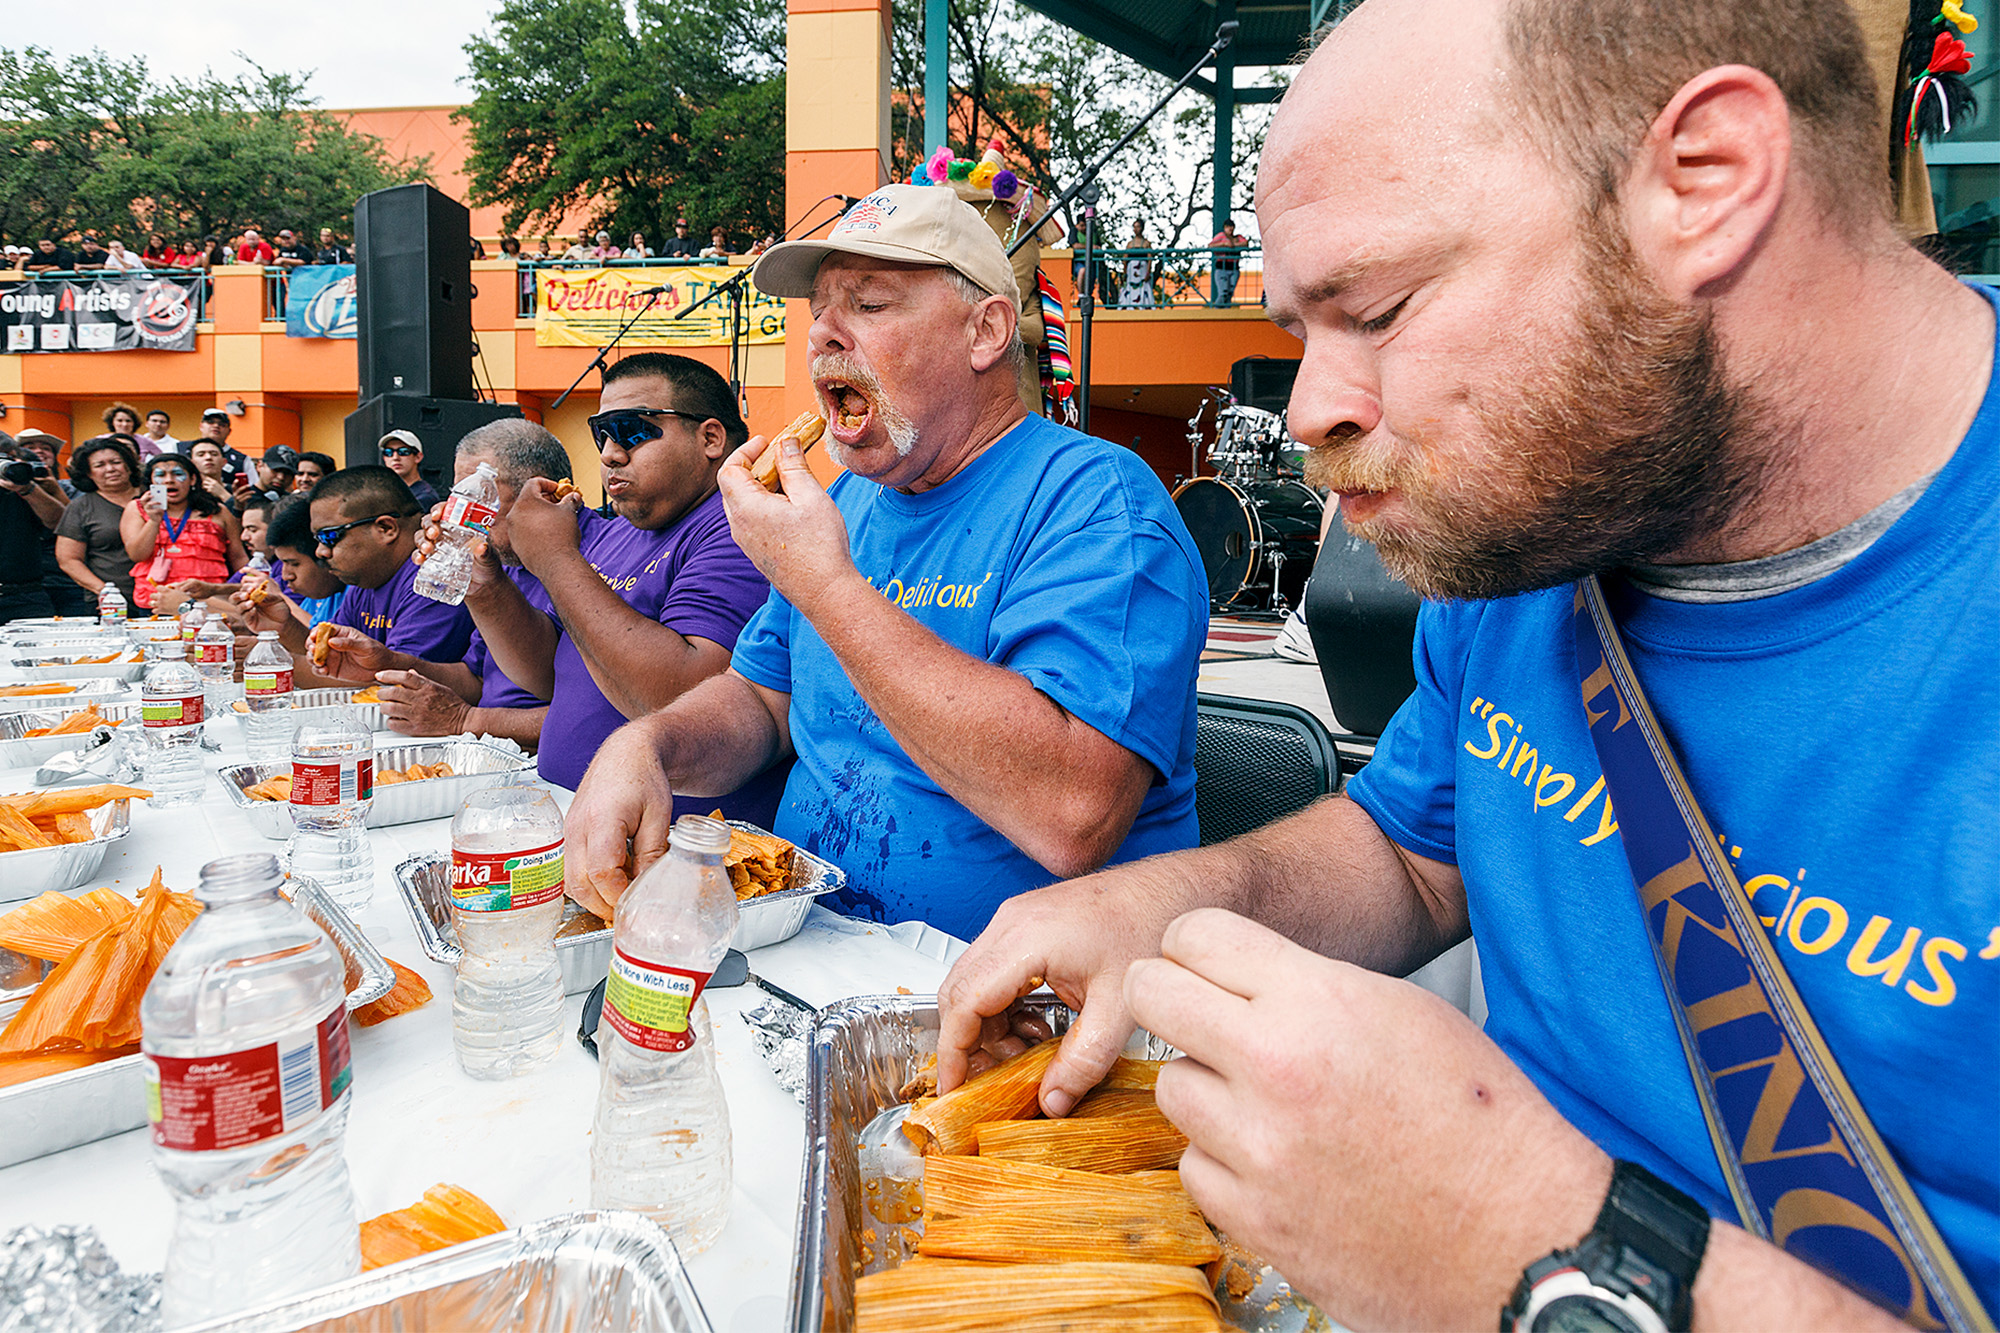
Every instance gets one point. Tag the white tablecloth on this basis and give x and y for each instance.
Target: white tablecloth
(522, 1145)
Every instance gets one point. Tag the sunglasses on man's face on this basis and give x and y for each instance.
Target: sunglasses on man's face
(630, 427)
(330, 537)
(402, 451)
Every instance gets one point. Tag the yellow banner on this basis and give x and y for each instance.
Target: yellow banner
(585, 307)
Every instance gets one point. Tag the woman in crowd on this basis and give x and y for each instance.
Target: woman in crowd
(638, 250)
(158, 254)
(478, 248)
(718, 245)
(191, 255)
(89, 545)
(212, 467)
(118, 419)
(510, 248)
(213, 255)
(193, 537)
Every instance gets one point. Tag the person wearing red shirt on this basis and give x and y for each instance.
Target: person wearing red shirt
(255, 249)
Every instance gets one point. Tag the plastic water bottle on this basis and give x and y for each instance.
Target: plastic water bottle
(506, 902)
(267, 692)
(170, 713)
(259, 564)
(247, 1089)
(215, 659)
(468, 516)
(333, 786)
(193, 616)
(660, 1145)
(110, 607)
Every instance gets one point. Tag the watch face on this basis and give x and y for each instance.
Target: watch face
(1583, 1314)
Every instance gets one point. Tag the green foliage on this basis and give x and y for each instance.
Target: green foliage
(630, 119)
(98, 143)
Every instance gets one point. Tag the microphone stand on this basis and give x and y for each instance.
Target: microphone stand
(1224, 35)
(652, 298)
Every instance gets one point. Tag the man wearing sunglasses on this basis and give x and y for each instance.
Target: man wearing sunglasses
(982, 641)
(642, 606)
(364, 528)
(403, 454)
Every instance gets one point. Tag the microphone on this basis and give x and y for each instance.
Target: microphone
(652, 291)
(848, 201)
(1226, 33)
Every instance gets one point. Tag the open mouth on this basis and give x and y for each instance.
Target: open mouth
(848, 409)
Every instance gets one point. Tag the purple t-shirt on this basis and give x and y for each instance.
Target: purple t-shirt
(692, 578)
(496, 689)
(406, 620)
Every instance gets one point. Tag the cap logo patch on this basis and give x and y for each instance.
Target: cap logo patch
(868, 215)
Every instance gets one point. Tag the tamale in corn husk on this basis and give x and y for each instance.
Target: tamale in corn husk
(445, 1216)
(942, 1296)
(1130, 1230)
(957, 1186)
(410, 992)
(1128, 1074)
(52, 926)
(1104, 1102)
(1004, 1092)
(1113, 1144)
(26, 1068)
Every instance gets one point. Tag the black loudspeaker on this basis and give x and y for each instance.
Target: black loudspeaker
(1264, 382)
(413, 279)
(439, 422)
(1363, 622)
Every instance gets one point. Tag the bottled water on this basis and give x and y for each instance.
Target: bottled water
(259, 564)
(215, 659)
(660, 1145)
(193, 616)
(333, 786)
(170, 713)
(468, 516)
(267, 692)
(110, 607)
(161, 639)
(246, 1063)
(506, 901)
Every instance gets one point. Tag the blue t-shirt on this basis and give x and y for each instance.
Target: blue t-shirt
(321, 609)
(1053, 554)
(1843, 739)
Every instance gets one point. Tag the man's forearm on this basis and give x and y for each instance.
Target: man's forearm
(639, 664)
(1748, 1283)
(714, 738)
(523, 726)
(48, 508)
(521, 639)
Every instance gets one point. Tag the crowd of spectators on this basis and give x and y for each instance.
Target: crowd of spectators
(91, 252)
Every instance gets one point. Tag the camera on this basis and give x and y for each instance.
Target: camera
(18, 472)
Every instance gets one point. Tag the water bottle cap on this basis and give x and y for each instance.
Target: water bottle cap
(234, 878)
(267, 636)
(700, 834)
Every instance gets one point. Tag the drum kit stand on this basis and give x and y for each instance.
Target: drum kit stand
(1255, 522)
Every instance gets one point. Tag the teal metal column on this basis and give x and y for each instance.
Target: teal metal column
(937, 73)
(1225, 121)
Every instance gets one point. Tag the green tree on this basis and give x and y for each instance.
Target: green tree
(628, 118)
(97, 143)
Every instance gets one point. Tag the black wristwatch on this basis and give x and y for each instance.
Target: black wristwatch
(1634, 1272)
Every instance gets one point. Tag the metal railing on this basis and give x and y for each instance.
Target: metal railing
(1160, 277)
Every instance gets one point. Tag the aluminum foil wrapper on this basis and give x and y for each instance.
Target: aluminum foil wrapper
(782, 1035)
(61, 1279)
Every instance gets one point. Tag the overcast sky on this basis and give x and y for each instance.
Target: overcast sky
(360, 53)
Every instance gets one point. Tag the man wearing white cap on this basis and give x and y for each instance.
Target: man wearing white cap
(981, 642)
(403, 454)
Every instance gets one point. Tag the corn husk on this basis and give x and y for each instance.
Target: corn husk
(52, 926)
(445, 1216)
(957, 1186)
(937, 1296)
(1004, 1092)
(1114, 1101)
(757, 863)
(1128, 1230)
(25, 1068)
(410, 992)
(1113, 1144)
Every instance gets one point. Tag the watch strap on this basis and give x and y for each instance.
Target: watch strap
(1644, 1213)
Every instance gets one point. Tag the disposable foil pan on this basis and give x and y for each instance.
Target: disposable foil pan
(474, 765)
(573, 1273)
(585, 958)
(64, 1110)
(88, 689)
(56, 661)
(317, 706)
(25, 874)
(22, 751)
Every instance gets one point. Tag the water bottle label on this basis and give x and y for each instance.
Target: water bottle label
(188, 632)
(265, 682)
(338, 783)
(650, 1005)
(212, 652)
(506, 881)
(468, 513)
(217, 1102)
(183, 711)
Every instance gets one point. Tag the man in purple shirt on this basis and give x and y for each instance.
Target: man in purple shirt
(645, 604)
(365, 524)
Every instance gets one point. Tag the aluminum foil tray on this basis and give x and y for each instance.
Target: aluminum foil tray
(474, 764)
(100, 689)
(19, 751)
(25, 874)
(591, 1272)
(315, 705)
(84, 1105)
(425, 882)
(55, 661)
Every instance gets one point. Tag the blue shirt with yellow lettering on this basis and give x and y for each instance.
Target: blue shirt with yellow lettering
(1053, 554)
(1843, 739)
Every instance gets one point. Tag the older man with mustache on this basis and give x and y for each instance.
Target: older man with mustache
(982, 640)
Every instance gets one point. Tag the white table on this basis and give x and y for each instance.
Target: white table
(523, 1145)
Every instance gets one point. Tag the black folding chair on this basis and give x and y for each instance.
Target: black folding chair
(1255, 761)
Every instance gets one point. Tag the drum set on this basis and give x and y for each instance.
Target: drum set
(1256, 522)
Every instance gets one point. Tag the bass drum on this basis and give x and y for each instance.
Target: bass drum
(1257, 540)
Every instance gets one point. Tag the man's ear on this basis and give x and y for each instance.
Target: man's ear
(1706, 183)
(714, 440)
(994, 322)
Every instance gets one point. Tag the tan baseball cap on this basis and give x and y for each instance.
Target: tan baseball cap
(908, 224)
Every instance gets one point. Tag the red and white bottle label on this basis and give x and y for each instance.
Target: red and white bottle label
(266, 681)
(468, 513)
(217, 1102)
(335, 783)
(170, 711)
(651, 1005)
(506, 881)
(212, 652)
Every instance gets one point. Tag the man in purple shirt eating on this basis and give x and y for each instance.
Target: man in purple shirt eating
(645, 604)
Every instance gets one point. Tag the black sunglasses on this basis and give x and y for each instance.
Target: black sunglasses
(402, 451)
(330, 537)
(629, 427)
